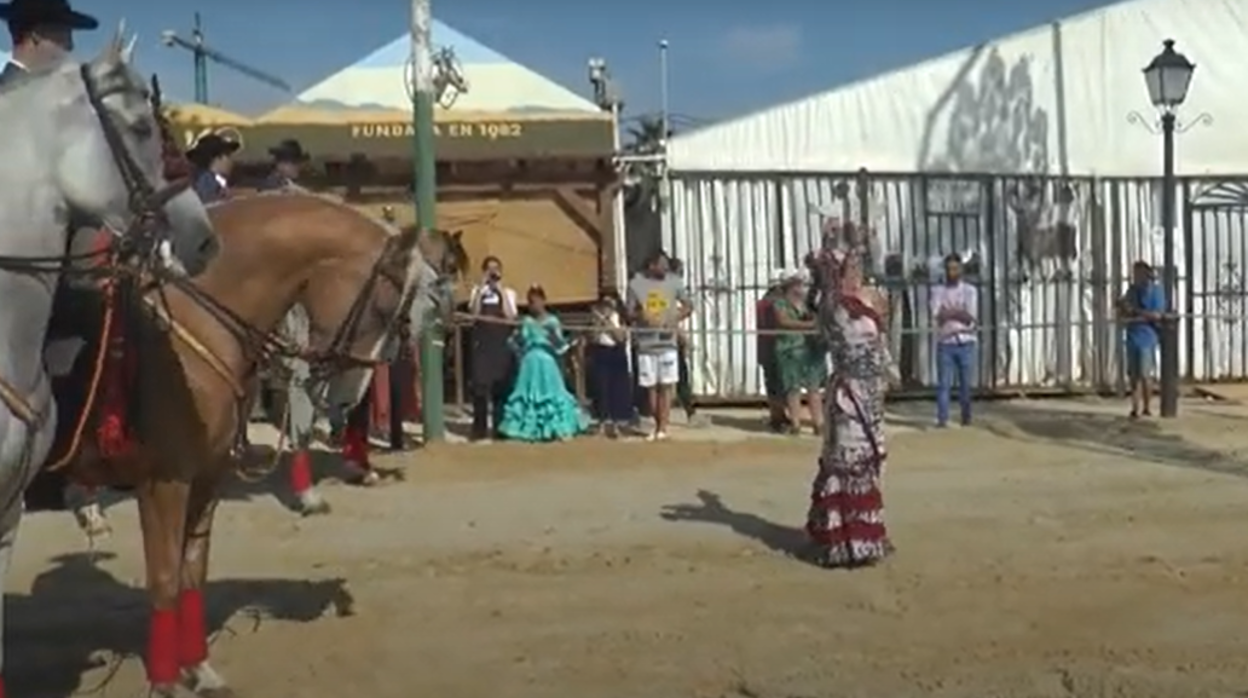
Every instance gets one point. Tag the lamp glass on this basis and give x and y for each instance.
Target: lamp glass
(1168, 77)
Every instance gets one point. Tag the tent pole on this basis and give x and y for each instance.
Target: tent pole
(425, 166)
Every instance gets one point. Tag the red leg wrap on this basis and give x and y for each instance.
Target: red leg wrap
(162, 648)
(355, 445)
(1, 687)
(301, 471)
(192, 632)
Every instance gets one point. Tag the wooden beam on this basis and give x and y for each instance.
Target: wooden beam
(569, 200)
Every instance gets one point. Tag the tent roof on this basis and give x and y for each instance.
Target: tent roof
(496, 84)
(1054, 99)
(194, 113)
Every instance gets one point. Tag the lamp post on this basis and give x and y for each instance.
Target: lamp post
(1168, 76)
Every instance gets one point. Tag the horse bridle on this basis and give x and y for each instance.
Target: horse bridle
(145, 202)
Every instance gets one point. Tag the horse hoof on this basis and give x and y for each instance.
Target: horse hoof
(365, 478)
(203, 681)
(170, 691)
(314, 509)
(92, 522)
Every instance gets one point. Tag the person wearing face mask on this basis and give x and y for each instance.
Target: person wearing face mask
(493, 305)
(42, 33)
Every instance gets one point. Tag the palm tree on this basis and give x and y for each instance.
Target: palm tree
(641, 179)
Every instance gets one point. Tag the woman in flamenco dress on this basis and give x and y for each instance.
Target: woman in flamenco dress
(540, 406)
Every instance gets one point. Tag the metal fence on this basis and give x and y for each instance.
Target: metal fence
(1050, 256)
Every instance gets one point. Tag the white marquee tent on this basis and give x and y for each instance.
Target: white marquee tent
(1053, 99)
(748, 196)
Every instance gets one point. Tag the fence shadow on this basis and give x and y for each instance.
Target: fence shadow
(80, 618)
(1109, 434)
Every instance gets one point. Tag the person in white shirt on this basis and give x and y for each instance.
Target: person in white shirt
(494, 306)
(611, 383)
(955, 309)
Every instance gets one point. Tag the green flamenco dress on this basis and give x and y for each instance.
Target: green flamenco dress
(540, 407)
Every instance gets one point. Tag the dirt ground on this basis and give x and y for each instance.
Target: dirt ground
(1055, 549)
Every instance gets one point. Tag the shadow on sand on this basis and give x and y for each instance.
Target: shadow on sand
(79, 618)
(710, 509)
(1096, 432)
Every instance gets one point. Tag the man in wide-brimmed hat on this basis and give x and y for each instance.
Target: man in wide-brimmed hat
(288, 157)
(213, 158)
(42, 32)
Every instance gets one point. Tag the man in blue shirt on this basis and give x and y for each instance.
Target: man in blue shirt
(1141, 309)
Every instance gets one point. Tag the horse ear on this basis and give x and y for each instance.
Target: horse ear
(127, 52)
(407, 239)
(457, 236)
(115, 46)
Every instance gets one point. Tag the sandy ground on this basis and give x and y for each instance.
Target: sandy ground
(1055, 549)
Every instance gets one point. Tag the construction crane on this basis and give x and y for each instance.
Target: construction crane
(202, 54)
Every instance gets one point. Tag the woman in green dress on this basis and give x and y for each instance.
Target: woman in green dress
(540, 406)
(800, 354)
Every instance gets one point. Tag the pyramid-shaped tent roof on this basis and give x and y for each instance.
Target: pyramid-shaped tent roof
(496, 84)
(1053, 99)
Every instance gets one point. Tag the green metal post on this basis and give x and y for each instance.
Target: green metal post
(201, 62)
(431, 338)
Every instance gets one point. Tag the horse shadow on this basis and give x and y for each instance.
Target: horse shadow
(1096, 432)
(79, 618)
(710, 508)
(265, 474)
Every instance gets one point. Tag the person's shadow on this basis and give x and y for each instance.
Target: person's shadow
(710, 509)
(79, 618)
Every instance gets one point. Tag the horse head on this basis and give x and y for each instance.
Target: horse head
(113, 164)
(411, 278)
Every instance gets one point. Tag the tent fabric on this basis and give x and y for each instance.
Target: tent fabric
(495, 83)
(195, 114)
(1056, 99)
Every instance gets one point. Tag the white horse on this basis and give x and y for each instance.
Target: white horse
(80, 144)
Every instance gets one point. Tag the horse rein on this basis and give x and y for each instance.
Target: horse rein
(146, 203)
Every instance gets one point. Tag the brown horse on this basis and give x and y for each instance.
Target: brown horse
(199, 345)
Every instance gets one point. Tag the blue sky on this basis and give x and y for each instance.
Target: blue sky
(726, 58)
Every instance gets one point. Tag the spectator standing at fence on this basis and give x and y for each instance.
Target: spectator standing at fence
(765, 350)
(540, 406)
(684, 381)
(955, 309)
(800, 354)
(607, 355)
(658, 303)
(1140, 309)
(493, 305)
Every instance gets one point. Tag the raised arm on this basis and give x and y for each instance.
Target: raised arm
(474, 301)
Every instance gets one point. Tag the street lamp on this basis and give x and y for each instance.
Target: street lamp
(1167, 77)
